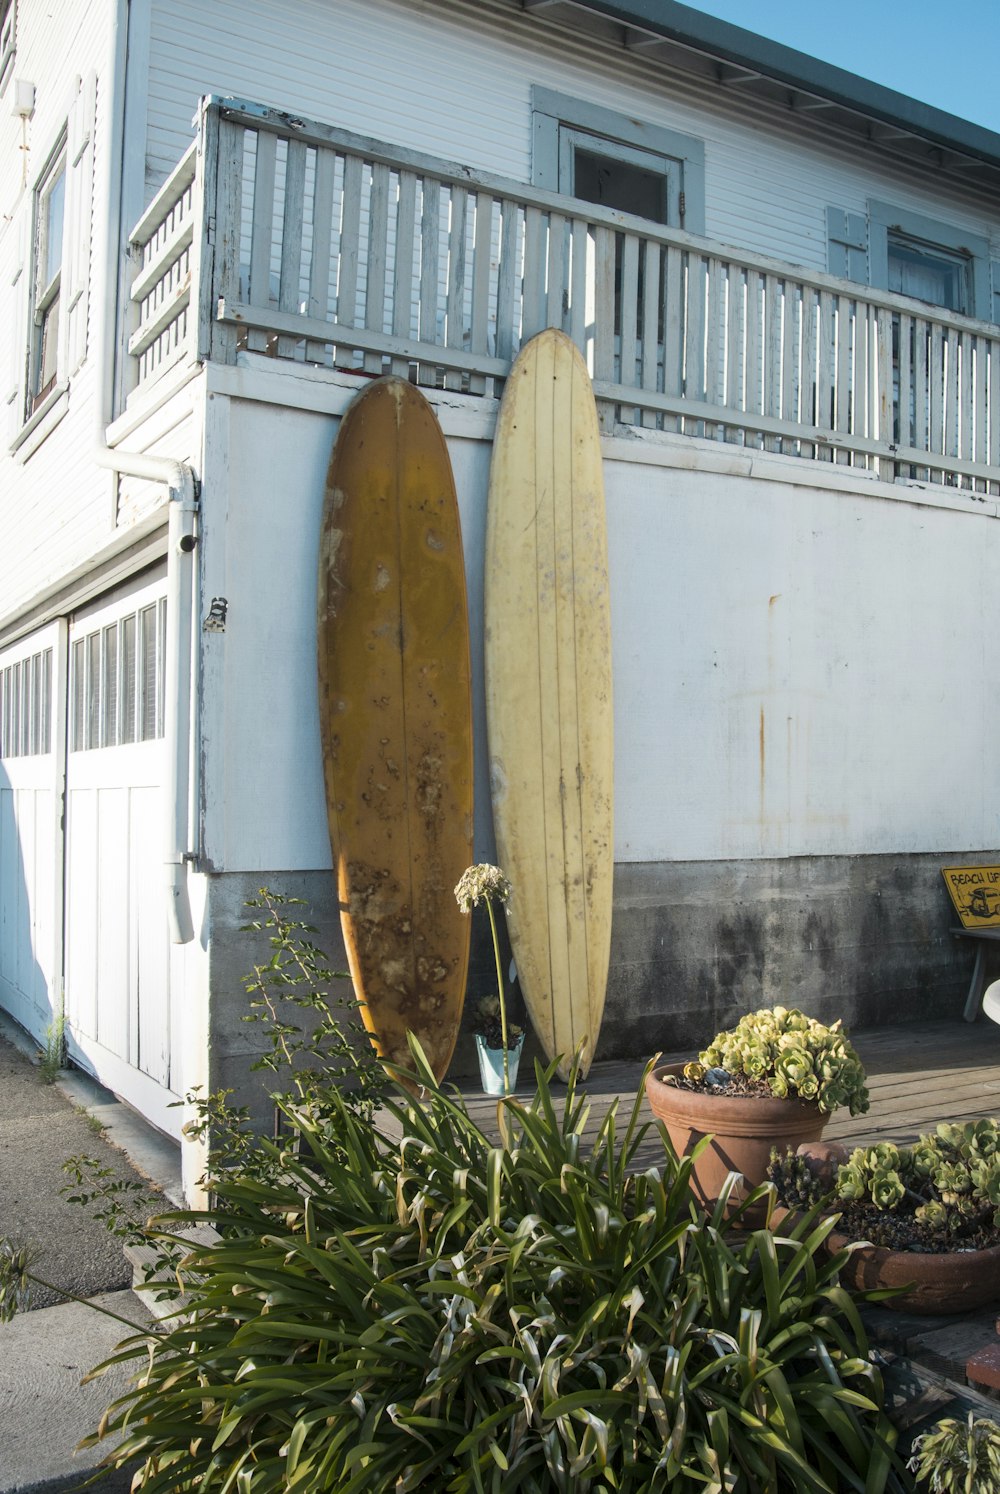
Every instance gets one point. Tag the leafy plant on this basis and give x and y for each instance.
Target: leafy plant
(409, 1306)
(786, 1053)
(959, 1458)
(53, 1055)
(488, 1023)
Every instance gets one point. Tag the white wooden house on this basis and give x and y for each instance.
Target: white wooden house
(217, 219)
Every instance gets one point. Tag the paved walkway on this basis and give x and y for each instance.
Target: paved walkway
(45, 1351)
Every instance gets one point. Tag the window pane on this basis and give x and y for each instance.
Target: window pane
(620, 185)
(55, 203)
(93, 737)
(147, 630)
(79, 684)
(45, 731)
(109, 735)
(927, 274)
(25, 707)
(127, 714)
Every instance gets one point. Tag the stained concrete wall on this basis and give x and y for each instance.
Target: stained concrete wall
(694, 946)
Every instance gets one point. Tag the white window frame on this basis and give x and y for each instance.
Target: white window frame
(47, 300)
(886, 220)
(8, 40)
(560, 121)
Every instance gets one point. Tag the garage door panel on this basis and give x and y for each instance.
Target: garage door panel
(113, 920)
(115, 773)
(30, 835)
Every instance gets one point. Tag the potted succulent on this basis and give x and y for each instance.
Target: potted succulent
(772, 1081)
(924, 1217)
(498, 1042)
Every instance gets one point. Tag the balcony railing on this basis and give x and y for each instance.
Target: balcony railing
(302, 242)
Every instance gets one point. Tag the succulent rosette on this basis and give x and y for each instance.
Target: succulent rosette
(796, 1056)
(947, 1180)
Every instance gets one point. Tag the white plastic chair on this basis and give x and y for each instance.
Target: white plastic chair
(991, 1001)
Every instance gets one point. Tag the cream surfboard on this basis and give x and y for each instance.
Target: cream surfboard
(396, 717)
(548, 691)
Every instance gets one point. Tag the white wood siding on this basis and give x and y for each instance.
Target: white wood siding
(365, 65)
(60, 510)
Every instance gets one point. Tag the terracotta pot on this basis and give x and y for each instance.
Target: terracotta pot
(955, 1281)
(744, 1129)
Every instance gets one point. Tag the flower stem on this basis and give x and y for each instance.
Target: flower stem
(500, 993)
(96, 1306)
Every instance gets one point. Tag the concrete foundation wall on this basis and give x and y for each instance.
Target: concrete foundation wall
(694, 946)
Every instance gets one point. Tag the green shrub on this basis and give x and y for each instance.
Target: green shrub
(956, 1457)
(407, 1306)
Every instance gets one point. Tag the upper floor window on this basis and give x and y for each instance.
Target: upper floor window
(616, 162)
(50, 219)
(894, 249)
(50, 285)
(928, 272)
(8, 18)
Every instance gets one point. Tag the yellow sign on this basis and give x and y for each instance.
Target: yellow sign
(975, 891)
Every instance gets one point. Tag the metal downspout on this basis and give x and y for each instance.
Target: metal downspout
(179, 480)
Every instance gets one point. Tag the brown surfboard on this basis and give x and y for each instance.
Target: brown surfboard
(396, 717)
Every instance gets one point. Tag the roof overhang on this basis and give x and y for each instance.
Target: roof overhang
(676, 34)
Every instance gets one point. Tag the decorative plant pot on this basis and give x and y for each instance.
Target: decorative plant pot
(744, 1129)
(953, 1281)
(491, 1065)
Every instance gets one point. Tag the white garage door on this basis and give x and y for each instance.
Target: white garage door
(119, 1020)
(30, 836)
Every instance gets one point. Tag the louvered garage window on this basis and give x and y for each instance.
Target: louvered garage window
(117, 685)
(26, 706)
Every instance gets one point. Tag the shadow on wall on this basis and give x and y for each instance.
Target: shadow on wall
(27, 895)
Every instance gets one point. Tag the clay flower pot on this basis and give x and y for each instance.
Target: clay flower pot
(954, 1281)
(744, 1128)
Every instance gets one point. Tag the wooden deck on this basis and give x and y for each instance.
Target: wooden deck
(918, 1074)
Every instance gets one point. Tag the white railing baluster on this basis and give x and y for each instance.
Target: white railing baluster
(579, 248)
(262, 232)
(507, 331)
(377, 260)
(319, 259)
(533, 305)
(651, 283)
(402, 269)
(455, 301)
(430, 247)
(604, 314)
(290, 275)
(628, 316)
(482, 253)
(673, 344)
(303, 241)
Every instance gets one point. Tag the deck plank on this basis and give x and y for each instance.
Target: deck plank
(918, 1074)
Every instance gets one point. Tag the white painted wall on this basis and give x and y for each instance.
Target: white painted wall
(454, 77)
(798, 668)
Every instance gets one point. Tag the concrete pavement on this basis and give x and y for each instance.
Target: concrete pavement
(44, 1352)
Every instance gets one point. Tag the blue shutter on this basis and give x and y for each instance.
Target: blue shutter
(994, 315)
(847, 244)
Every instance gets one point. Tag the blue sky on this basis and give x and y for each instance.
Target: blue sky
(946, 55)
